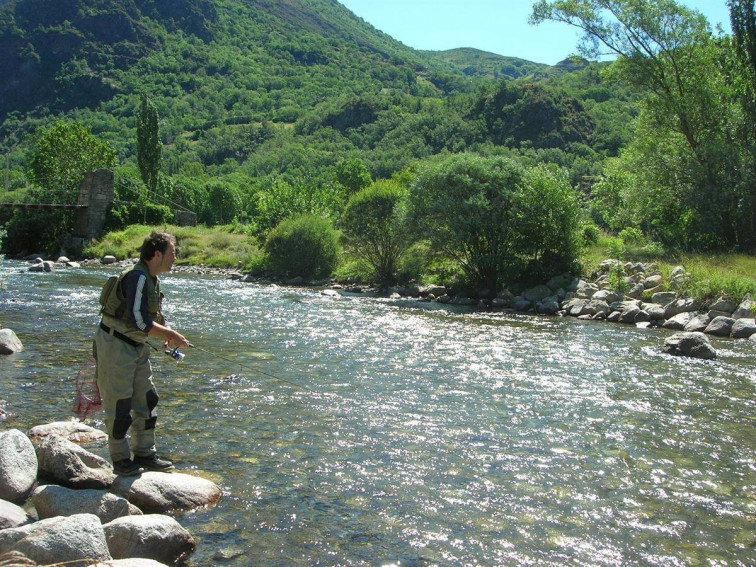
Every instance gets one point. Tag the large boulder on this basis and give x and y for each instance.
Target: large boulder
(678, 322)
(65, 463)
(9, 343)
(663, 297)
(720, 326)
(698, 323)
(73, 430)
(678, 306)
(585, 290)
(629, 314)
(51, 500)
(152, 536)
(743, 328)
(655, 311)
(12, 516)
(537, 293)
(18, 465)
(695, 345)
(160, 493)
(723, 305)
(745, 309)
(58, 540)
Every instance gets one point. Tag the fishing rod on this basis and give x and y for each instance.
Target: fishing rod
(178, 356)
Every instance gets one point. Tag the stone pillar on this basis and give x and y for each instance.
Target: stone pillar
(95, 194)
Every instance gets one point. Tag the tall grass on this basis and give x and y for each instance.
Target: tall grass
(214, 247)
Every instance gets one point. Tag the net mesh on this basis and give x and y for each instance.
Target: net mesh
(88, 401)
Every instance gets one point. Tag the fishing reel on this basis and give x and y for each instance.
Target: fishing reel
(175, 354)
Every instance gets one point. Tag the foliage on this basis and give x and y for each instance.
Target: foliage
(493, 216)
(278, 200)
(149, 147)
(374, 223)
(305, 246)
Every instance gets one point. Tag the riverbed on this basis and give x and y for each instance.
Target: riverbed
(367, 431)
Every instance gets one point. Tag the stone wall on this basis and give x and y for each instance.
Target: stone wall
(95, 194)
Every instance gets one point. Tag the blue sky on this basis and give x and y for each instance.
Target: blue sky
(498, 26)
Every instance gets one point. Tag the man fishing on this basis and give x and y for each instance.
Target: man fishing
(131, 311)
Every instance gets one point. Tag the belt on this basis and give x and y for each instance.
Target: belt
(118, 335)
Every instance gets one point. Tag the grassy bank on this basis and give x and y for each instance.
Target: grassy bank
(217, 247)
(712, 275)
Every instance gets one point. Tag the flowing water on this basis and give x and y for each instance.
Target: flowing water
(418, 435)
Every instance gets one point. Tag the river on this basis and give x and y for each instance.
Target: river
(368, 431)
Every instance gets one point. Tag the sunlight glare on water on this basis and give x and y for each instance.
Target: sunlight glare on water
(363, 431)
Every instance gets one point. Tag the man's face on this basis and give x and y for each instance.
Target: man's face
(167, 258)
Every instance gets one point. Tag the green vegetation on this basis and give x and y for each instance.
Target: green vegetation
(275, 111)
(305, 246)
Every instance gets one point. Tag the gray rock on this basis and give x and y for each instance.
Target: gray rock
(596, 306)
(585, 290)
(12, 516)
(9, 342)
(743, 328)
(724, 305)
(642, 317)
(678, 322)
(67, 464)
(655, 311)
(745, 309)
(574, 307)
(680, 306)
(159, 493)
(652, 281)
(695, 345)
(629, 314)
(434, 290)
(636, 291)
(663, 297)
(51, 500)
(58, 540)
(558, 282)
(45, 266)
(614, 316)
(152, 536)
(720, 326)
(521, 304)
(537, 293)
(606, 295)
(75, 431)
(330, 293)
(131, 562)
(698, 323)
(18, 465)
(714, 314)
(108, 259)
(549, 306)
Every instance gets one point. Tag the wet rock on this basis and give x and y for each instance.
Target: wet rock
(9, 343)
(51, 500)
(45, 266)
(678, 322)
(743, 328)
(330, 293)
(574, 307)
(720, 326)
(65, 463)
(152, 536)
(58, 540)
(434, 290)
(18, 465)
(549, 306)
(161, 493)
(12, 516)
(108, 259)
(654, 310)
(694, 345)
(73, 430)
(697, 323)
(629, 314)
(519, 303)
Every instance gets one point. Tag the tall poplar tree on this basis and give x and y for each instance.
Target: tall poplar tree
(149, 147)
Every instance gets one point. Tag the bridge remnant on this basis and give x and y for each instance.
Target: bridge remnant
(95, 195)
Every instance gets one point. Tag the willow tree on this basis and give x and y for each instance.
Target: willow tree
(149, 147)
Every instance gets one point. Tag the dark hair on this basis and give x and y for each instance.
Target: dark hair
(155, 242)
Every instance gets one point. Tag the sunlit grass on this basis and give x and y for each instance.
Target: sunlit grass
(197, 245)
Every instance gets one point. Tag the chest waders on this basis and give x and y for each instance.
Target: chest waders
(124, 373)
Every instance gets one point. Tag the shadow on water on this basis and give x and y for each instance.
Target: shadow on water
(421, 435)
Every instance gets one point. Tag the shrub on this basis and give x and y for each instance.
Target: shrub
(305, 246)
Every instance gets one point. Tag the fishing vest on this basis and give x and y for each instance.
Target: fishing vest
(114, 309)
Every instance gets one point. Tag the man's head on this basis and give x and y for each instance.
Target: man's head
(159, 252)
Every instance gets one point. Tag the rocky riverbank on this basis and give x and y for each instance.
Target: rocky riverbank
(60, 503)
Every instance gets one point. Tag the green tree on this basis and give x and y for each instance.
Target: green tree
(353, 175)
(305, 246)
(224, 203)
(374, 223)
(463, 204)
(149, 147)
(668, 50)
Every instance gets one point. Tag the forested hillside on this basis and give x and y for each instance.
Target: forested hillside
(272, 108)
